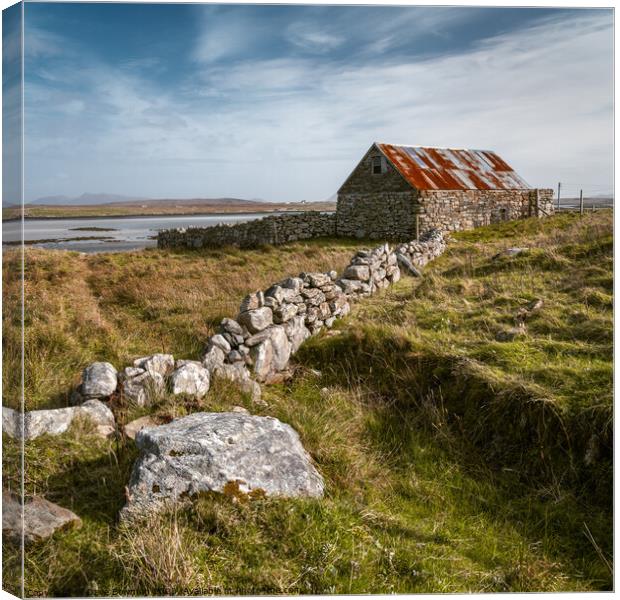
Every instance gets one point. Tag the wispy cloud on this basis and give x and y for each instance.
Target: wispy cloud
(313, 37)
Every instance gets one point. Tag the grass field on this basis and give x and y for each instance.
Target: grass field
(452, 462)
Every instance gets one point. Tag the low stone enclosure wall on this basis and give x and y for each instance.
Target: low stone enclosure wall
(274, 229)
(254, 348)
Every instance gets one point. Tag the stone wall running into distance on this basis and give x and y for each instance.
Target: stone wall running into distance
(253, 348)
(212, 451)
(274, 229)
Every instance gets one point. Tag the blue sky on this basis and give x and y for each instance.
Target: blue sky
(280, 102)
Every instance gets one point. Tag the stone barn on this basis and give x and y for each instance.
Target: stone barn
(398, 192)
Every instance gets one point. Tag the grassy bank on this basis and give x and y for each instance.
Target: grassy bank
(452, 461)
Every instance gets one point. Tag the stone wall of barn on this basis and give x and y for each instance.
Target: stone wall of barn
(377, 206)
(454, 210)
(376, 215)
(392, 214)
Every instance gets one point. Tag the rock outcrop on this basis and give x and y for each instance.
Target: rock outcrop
(219, 452)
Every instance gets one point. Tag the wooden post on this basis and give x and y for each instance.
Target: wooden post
(537, 207)
(580, 202)
(417, 227)
(559, 189)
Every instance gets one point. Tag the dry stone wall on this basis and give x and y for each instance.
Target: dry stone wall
(271, 325)
(255, 347)
(274, 229)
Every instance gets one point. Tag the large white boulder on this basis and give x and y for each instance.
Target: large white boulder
(210, 451)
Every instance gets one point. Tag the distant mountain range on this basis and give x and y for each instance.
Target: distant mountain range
(86, 199)
(89, 199)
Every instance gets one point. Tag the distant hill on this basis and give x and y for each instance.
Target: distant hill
(187, 202)
(89, 199)
(86, 199)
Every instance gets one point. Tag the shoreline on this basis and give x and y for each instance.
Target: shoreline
(150, 215)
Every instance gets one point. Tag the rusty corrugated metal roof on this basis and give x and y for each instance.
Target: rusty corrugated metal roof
(452, 169)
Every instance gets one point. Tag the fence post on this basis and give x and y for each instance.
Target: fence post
(559, 189)
(580, 202)
(417, 227)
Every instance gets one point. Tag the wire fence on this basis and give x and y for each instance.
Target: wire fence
(572, 196)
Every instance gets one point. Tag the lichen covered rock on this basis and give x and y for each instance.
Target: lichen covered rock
(214, 451)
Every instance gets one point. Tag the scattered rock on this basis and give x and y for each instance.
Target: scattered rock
(40, 518)
(99, 380)
(535, 305)
(57, 420)
(507, 335)
(100, 415)
(221, 452)
(510, 252)
(190, 379)
(11, 422)
(515, 251)
(132, 428)
(129, 372)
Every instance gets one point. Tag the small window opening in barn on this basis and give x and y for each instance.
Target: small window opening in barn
(503, 214)
(378, 165)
